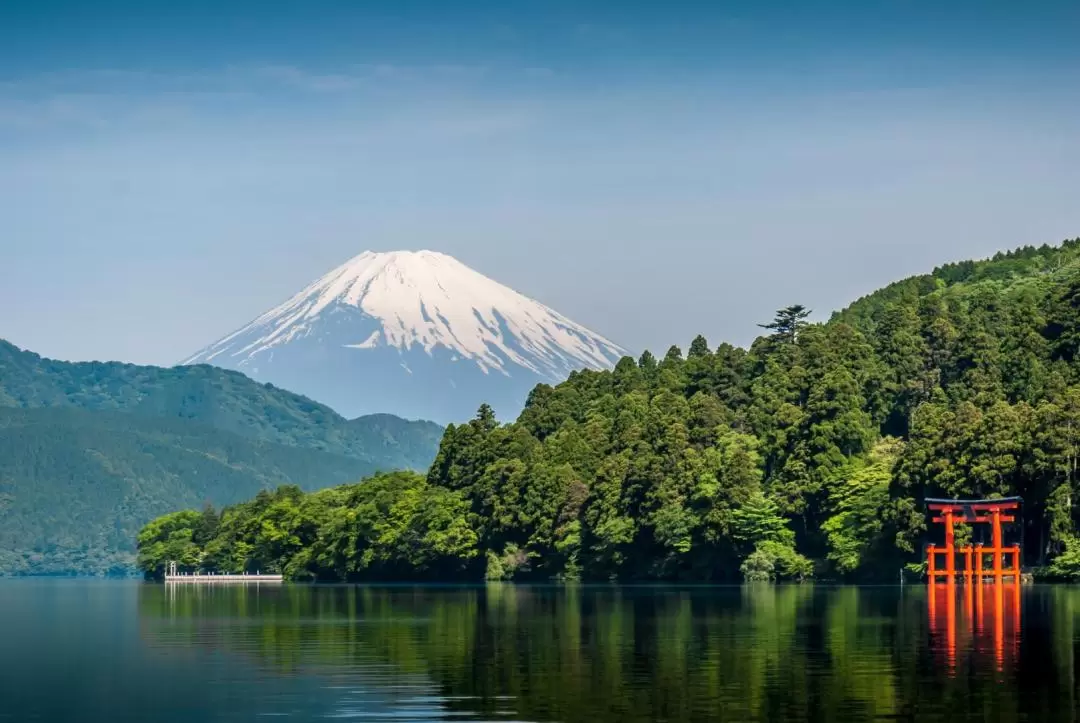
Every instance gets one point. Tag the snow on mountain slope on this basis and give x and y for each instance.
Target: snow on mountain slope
(417, 334)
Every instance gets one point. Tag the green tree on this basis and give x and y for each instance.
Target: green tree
(170, 538)
(859, 503)
(788, 323)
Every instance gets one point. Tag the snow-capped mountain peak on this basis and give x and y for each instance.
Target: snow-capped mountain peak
(423, 306)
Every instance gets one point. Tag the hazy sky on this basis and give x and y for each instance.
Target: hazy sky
(169, 170)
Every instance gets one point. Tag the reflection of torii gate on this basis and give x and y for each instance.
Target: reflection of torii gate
(972, 511)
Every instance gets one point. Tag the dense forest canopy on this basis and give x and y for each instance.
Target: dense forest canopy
(808, 454)
(89, 452)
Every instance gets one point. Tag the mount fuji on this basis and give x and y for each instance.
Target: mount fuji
(417, 334)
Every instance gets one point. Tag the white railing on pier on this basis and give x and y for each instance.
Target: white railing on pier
(172, 575)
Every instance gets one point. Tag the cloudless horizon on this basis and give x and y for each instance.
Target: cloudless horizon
(651, 170)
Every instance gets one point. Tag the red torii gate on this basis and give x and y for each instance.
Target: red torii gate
(971, 511)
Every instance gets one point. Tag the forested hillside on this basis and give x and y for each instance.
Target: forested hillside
(90, 452)
(219, 398)
(808, 454)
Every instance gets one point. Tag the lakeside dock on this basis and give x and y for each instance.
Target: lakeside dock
(222, 579)
(174, 576)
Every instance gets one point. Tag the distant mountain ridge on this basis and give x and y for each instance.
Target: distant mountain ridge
(221, 398)
(415, 333)
(90, 451)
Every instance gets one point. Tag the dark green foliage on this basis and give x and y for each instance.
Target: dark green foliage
(788, 323)
(819, 443)
(809, 453)
(90, 452)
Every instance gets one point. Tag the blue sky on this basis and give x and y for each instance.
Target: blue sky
(652, 170)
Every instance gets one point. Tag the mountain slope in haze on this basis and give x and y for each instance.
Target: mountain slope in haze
(91, 451)
(215, 397)
(418, 334)
(76, 485)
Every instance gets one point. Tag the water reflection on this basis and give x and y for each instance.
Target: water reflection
(318, 634)
(108, 653)
(642, 654)
(989, 623)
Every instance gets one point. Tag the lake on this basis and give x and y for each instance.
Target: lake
(104, 652)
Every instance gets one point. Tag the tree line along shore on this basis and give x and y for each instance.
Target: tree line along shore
(806, 455)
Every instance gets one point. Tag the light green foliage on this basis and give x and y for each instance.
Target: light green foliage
(859, 501)
(170, 538)
(503, 567)
(759, 520)
(388, 526)
(775, 561)
(1066, 566)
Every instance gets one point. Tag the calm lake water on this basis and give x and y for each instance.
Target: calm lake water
(101, 652)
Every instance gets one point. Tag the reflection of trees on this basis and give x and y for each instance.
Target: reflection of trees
(638, 654)
(1061, 607)
(858, 642)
